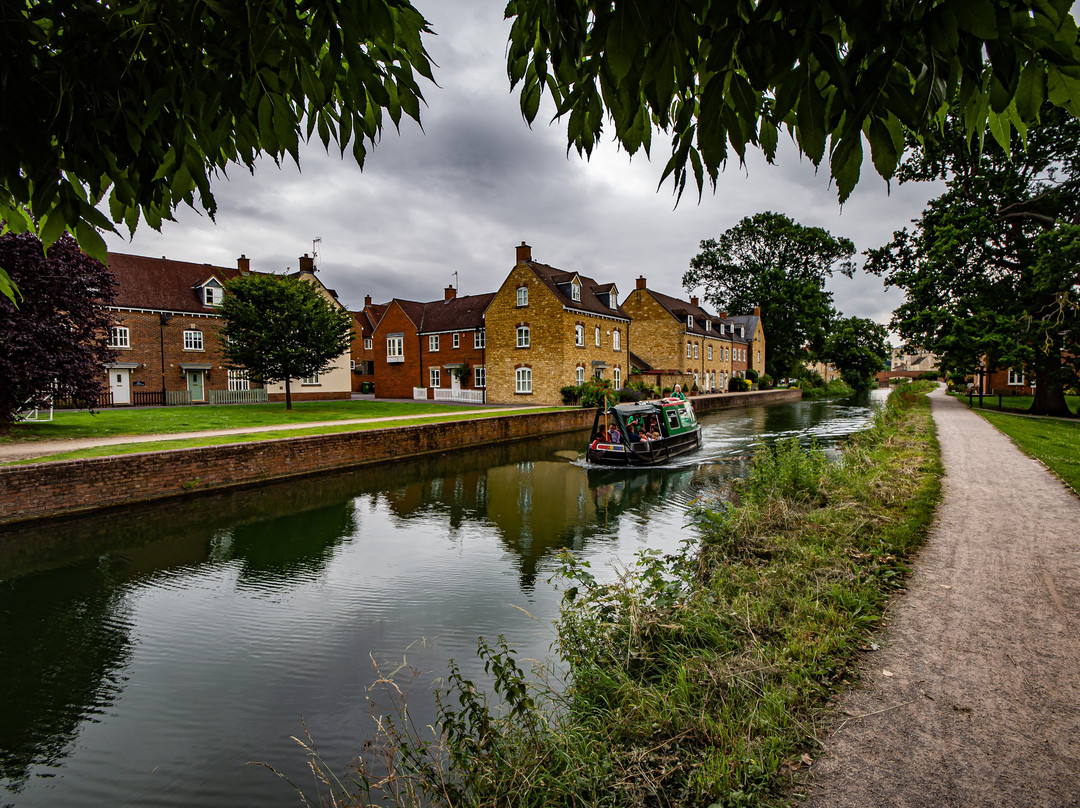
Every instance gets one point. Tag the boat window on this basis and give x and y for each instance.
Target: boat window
(673, 419)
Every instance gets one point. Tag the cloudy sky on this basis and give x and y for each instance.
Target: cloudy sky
(459, 195)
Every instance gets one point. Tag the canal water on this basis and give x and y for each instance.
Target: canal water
(146, 656)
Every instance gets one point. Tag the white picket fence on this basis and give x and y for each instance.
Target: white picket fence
(460, 396)
(256, 396)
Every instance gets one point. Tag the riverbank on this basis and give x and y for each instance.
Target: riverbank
(705, 677)
(45, 490)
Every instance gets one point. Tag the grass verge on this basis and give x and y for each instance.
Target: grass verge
(1056, 443)
(701, 678)
(1015, 404)
(219, 440)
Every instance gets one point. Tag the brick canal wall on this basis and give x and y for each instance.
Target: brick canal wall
(45, 490)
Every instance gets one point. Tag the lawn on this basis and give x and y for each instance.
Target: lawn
(163, 420)
(1055, 442)
(1013, 403)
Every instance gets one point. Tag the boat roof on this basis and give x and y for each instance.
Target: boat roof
(645, 407)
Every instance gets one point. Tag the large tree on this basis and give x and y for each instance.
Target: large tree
(132, 107)
(55, 341)
(770, 261)
(832, 73)
(858, 348)
(991, 271)
(280, 328)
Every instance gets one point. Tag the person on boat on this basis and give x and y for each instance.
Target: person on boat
(678, 393)
(632, 435)
(614, 436)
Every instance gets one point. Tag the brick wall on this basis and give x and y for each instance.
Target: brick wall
(447, 354)
(396, 379)
(73, 486)
(147, 336)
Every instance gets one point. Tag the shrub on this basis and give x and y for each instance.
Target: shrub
(595, 392)
(571, 394)
(929, 375)
(752, 375)
(737, 385)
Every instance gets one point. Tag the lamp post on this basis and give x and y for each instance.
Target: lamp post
(164, 318)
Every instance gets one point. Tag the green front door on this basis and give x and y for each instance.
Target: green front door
(195, 385)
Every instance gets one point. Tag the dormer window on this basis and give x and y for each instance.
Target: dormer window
(738, 331)
(689, 321)
(708, 325)
(575, 290)
(211, 292)
(613, 298)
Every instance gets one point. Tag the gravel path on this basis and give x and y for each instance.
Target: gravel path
(41, 448)
(975, 699)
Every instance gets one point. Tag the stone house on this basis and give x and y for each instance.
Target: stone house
(437, 347)
(677, 341)
(166, 334)
(549, 328)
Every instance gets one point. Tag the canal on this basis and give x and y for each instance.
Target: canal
(148, 654)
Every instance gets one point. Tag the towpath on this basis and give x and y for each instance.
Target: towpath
(43, 448)
(975, 698)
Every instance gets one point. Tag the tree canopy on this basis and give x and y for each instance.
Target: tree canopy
(833, 73)
(990, 270)
(55, 342)
(858, 348)
(133, 107)
(770, 261)
(281, 328)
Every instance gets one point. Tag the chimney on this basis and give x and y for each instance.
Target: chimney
(307, 263)
(243, 263)
(524, 253)
(757, 311)
(723, 315)
(450, 293)
(641, 282)
(367, 301)
(693, 302)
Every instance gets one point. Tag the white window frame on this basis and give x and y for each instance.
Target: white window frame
(310, 381)
(616, 340)
(689, 321)
(598, 336)
(688, 350)
(395, 348)
(613, 301)
(478, 339)
(579, 376)
(479, 377)
(367, 343)
(616, 379)
(522, 296)
(523, 381)
(434, 378)
(575, 291)
(352, 364)
(212, 295)
(695, 351)
(433, 343)
(1016, 379)
(708, 326)
(119, 336)
(238, 379)
(457, 340)
(710, 353)
(579, 336)
(193, 340)
(523, 336)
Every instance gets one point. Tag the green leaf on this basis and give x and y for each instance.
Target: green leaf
(1001, 130)
(1031, 91)
(883, 149)
(91, 241)
(810, 124)
(977, 17)
(846, 163)
(9, 289)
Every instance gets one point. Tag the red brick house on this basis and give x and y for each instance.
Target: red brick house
(166, 334)
(437, 347)
(363, 353)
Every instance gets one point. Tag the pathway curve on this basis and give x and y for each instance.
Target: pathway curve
(41, 448)
(975, 698)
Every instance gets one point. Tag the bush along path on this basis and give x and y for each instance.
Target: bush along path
(698, 679)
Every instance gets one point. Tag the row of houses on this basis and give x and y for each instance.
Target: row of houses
(543, 329)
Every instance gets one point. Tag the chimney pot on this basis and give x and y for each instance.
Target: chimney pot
(367, 301)
(641, 282)
(757, 311)
(524, 253)
(307, 263)
(693, 301)
(450, 293)
(243, 263)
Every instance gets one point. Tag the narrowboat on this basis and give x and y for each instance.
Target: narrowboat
(671, 421)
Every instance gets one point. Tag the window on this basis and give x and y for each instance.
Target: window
(579, 336)
(580, 376)
(119, 337)
(598, 336)
(309, 380)
(395, 348)
(695, 350)
(523, 380)
(457, 340)
(616, 339)
(710, 353)
(708, 325)
(1016, 378)
(367, 343)
(523, 336)
(612, 302)
(575, 290)
(616, 379)
(433, 342)
(352, 364)
(688, 350)
(212, 295)
(523, 295)
(479, 377)
(478, 339)
(689, 321)
(433, 377)
(193, 341)
(238, 379)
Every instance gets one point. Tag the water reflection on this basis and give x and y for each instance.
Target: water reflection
(148, 644)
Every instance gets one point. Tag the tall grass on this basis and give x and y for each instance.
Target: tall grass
(701, 678)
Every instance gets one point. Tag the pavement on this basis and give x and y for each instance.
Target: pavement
(974, 700)
(42, 448)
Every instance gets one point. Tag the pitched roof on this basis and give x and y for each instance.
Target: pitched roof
(464, 313)
(681, 309)
(558, 281)
(162, 283)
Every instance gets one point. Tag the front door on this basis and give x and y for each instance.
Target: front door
(195, 385)
(120, 384)
(455, 384)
